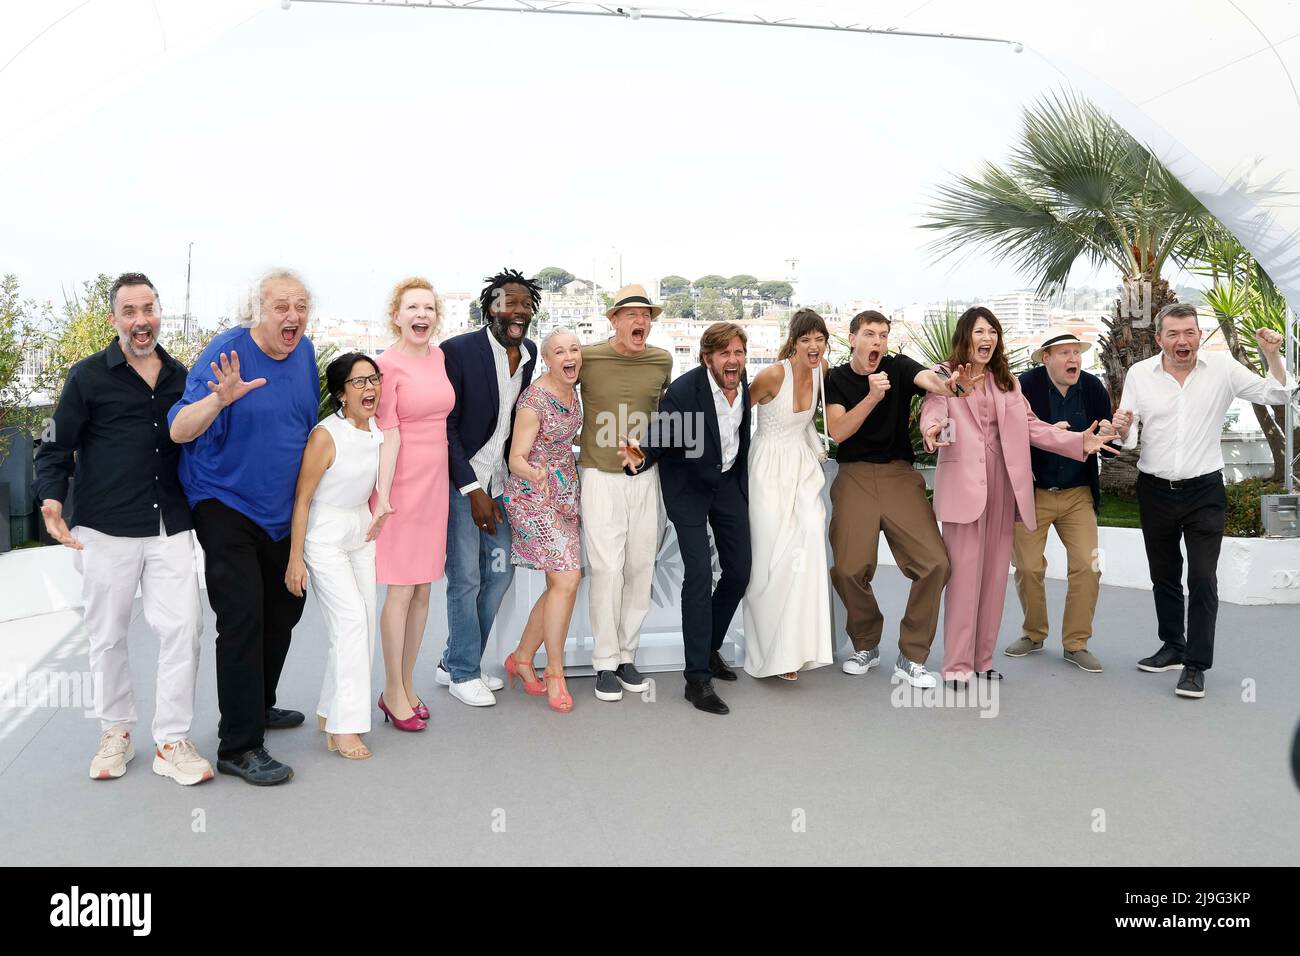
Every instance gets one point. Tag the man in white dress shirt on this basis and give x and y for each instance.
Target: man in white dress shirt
(1179, 398)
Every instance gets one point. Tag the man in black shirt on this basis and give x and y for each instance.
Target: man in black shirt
(868, 406)
(131, 527)
(1067, 494)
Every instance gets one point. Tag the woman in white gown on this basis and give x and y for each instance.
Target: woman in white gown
(787, 604)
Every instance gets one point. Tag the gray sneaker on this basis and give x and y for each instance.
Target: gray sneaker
(631, 678)
(1022, 647)
(861, 662)
(1085, 660)
(607, 686)
(912, 672)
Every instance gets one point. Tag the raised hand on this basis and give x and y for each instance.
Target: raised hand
(966, 380)
(932, 433)
(382, 510)
(1269, 342)
(878, 385)
(229, 387)
(1122, 421)
(52, 512)
(1094, 441)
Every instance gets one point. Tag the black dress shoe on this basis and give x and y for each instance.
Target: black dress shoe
(719, 667)
(278, 719)
(1168, 658)
(700, 693)
(257, 767)
(1191, 683)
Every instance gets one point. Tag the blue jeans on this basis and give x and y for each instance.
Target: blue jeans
(479, 573)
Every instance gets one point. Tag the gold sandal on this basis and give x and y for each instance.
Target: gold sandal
(356, 753)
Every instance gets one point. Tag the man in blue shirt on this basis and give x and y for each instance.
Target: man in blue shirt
(1067, 494)
(249, 404)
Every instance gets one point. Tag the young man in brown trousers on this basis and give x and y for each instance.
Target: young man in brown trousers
(868, 404)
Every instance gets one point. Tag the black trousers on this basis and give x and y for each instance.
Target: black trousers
(708, 610)
(1193, 513)
(255, 619)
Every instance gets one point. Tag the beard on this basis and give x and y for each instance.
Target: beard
(135, 351)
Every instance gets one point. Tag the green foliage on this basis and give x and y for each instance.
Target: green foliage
(672, 285)
(1118, 512)
(1077, 187)
(680, 305)
(553, 278)
(323, 358)
(475, 314)
(713, 307)
(741, 283)
(19, 335)
(776, 291)
(711, 282)
(1244, 518)
(85, 328)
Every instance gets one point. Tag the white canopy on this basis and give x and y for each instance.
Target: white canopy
(1209, 85)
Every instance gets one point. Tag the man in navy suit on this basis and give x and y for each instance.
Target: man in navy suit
(488, 369)
(700, 440)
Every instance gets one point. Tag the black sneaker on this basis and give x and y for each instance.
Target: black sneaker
(278, 719)
(607, 686)
(1168, 658)
(257, 767)
(1191, 683)
(631, 678)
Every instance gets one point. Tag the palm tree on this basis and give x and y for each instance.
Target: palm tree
(1078, 187)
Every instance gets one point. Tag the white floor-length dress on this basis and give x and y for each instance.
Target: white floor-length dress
(787, 604)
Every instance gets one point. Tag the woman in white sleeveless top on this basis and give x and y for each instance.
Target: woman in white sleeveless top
(333, 539)
(787, 603)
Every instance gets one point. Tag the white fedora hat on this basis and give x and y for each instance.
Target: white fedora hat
(1057, 336)
(633, 297)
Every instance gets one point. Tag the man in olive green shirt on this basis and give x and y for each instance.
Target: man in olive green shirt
(622, 518)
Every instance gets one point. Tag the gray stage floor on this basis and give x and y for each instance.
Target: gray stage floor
(1074, 768)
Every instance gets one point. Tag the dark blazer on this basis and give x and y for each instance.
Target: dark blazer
(473, 375)
(1096, 401)
(690, 465)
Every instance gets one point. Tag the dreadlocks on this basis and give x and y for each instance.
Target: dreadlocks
(499, 281)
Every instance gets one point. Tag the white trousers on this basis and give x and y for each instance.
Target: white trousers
(342, 567)
(622, 523)
(163, 568)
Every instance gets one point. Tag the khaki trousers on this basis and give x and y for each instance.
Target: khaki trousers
(1070, 512)
(866, 500)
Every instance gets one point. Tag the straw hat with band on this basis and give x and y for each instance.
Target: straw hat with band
(1057, 337)
(633, 297)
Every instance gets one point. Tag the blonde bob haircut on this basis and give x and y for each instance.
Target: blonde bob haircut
(395, 303)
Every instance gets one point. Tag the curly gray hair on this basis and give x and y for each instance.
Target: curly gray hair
(250, 306)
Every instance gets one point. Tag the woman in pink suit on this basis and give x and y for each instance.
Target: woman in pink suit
(412, 545)
(982, 486)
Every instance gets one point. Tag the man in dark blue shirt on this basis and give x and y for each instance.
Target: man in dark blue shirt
(249, 404)
(1067, 494)
(130, 527)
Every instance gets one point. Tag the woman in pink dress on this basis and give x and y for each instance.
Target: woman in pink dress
(412, 545)
(542, 502)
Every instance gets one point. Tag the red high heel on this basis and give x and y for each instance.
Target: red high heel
(401, 723)
(534, 687)
(421, 711)
(564, 702)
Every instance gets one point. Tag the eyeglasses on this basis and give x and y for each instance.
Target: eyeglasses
(361, 380)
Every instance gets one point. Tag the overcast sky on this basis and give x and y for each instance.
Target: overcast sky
(360, 145)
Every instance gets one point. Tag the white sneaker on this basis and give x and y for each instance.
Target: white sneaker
(492, 682)
(861, 662)
(115, 752)
(473, 692)
(912, 672)
(182, 762)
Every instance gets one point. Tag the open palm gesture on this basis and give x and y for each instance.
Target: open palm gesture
(229, 387)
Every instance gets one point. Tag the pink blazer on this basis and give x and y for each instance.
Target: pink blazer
(960, 492)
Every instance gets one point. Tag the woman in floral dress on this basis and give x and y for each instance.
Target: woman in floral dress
(541, 500)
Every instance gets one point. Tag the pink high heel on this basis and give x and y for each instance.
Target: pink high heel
(564, 702)
(401, 723)
(534, 687)
(421, 711)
